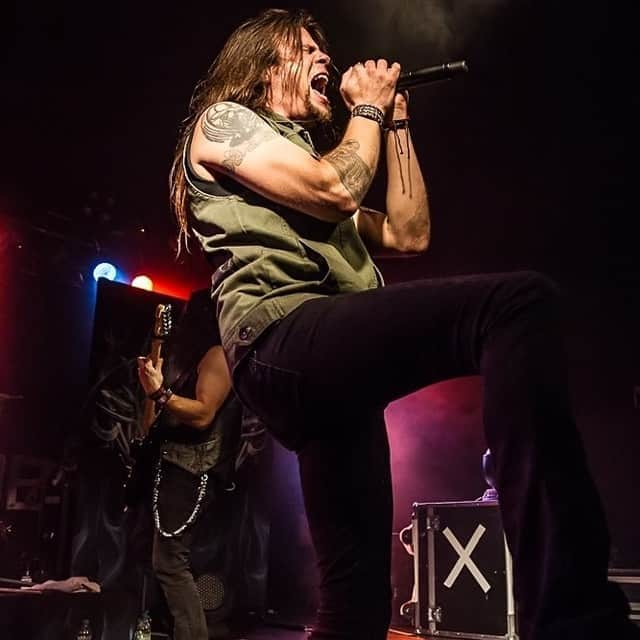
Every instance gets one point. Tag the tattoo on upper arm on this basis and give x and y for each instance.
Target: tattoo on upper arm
(353, 171)
(241, 128)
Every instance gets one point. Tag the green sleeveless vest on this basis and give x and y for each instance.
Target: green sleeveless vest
(279, 257)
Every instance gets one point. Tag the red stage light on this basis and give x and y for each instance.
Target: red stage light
(142, 282)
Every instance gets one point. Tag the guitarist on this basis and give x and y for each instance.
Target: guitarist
(198, 419)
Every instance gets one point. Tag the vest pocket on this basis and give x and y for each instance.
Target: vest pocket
(320, 261)
(224, 271)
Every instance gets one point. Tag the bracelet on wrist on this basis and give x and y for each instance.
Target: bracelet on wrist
(162, 400)
(370, 112)
(157, 393)
(402, 123)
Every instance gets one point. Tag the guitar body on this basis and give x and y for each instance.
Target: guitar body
(144, 454)
(144, 450)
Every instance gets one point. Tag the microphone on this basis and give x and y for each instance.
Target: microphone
(421, 77)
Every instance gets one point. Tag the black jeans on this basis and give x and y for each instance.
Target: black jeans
(171, 556)
(321, 379)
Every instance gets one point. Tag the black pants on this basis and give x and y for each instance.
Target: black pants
(171, 556)
(321, 379)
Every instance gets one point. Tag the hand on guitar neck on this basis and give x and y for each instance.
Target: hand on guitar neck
(151, 379)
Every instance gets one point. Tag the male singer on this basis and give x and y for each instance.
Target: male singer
(318, 347)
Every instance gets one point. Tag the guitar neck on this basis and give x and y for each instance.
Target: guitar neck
(156, 348)
(149, 409)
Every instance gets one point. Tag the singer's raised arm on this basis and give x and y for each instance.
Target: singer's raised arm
(406, 226)
(233, 140)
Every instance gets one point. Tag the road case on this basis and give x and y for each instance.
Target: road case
(462, 572)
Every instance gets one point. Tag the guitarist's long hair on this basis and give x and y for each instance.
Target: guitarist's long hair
(195, 332)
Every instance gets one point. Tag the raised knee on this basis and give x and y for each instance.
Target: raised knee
(538, 287)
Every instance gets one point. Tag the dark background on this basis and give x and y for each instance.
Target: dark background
(528, 162)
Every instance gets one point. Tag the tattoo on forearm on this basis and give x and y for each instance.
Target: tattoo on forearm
(353, 171)
(241, 128)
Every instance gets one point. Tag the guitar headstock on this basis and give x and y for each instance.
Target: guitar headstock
(163, 323)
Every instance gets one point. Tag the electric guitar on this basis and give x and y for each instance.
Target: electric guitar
(143, 450)
(161, 329)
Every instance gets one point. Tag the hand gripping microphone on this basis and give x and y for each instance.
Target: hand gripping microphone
(421, 77)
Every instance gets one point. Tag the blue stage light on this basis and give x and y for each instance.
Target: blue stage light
(105, 270)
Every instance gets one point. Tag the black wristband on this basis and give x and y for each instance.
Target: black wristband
(369, 111)
(157, 393)
(398, 124)
(163, 399)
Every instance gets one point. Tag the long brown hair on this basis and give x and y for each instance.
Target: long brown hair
(239, 74)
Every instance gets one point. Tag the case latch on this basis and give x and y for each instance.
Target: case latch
(433, 523)
(434, 614)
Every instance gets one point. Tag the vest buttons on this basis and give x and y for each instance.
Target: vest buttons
(245, 333)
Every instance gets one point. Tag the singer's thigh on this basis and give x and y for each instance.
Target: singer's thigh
(378, 345)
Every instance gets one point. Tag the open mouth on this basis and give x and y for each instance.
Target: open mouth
(319, 84)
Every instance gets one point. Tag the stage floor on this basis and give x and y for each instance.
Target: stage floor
(36, 615)
(273, 633)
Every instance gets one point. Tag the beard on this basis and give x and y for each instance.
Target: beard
(317, 115)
